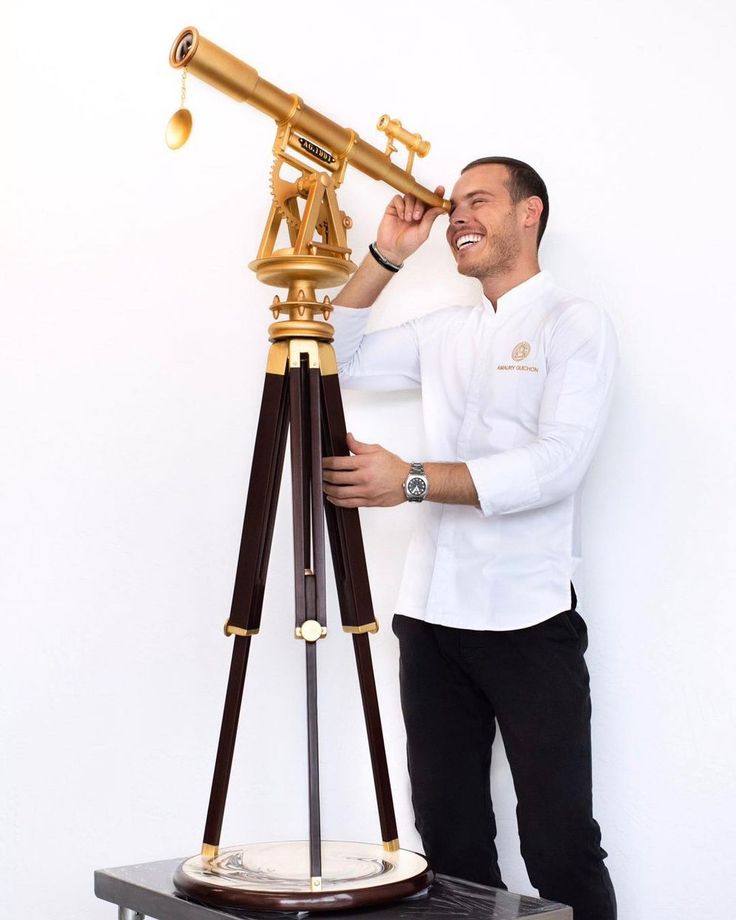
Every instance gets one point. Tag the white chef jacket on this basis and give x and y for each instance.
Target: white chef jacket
(520, 395)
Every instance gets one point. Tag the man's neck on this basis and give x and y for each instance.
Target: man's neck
(495, 286)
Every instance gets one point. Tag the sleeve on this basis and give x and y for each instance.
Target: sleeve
(581, 363)
(383, 360)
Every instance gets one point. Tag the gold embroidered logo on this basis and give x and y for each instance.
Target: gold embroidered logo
(521, 351)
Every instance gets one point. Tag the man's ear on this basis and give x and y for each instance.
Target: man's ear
(532, 210)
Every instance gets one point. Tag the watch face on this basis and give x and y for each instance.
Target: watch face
(416, 486)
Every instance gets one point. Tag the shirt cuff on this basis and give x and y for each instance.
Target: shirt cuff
(505, 482)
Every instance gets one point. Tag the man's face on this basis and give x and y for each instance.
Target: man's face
(485, 232)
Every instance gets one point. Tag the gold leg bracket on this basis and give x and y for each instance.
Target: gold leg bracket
(365, 628)
(310, 631)
(299, 347)
(278, 357)
(391, 846)
(283, 355)
(327, 360)
(238, 630)
(209, 851)
(315, 883)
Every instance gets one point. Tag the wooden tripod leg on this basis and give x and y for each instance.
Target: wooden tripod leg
(263, 495)
(356, 606)
(245, 615)
(309, 606)
(343, 524)
(226, 747)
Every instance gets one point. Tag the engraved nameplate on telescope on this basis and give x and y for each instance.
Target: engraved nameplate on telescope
(316, 151)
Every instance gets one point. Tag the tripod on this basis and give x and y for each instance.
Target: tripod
(301, 394)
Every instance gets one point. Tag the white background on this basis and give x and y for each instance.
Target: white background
(133, 346)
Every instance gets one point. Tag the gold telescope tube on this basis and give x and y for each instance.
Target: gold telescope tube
(234, 77)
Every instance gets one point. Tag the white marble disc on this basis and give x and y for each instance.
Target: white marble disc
(284, 866)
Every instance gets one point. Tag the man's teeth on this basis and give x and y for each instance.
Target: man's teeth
(468, 240)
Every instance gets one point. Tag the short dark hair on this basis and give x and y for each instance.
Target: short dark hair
(523, 183)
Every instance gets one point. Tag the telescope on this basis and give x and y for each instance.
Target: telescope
(301, 399)
(307, 205)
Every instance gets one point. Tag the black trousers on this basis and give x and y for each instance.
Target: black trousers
(456, 684)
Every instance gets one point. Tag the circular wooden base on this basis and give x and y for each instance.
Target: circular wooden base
(275, 876)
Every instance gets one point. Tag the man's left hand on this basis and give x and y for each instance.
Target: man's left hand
(373, 477)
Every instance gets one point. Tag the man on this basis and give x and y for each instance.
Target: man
(514, 392)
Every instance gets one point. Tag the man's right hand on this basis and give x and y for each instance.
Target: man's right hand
(405, 226)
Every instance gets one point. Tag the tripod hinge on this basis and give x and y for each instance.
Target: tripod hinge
(310, 630)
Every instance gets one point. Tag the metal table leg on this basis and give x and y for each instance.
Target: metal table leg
(127, 913)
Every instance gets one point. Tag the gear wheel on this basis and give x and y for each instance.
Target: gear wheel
(283, 191)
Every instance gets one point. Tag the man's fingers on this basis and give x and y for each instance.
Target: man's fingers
(359, 447)
(339, 463)
(348, 491)
(348, 502)
(397, 205)
(343, 492)
(431, 214)
(430, 217)
(408, 208)
(341, 478)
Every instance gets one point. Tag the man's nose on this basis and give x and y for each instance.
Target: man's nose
(457, 219)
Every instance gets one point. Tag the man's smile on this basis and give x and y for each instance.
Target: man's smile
(464, 239)
(469, 239)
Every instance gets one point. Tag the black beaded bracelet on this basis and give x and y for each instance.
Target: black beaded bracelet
(382, 260)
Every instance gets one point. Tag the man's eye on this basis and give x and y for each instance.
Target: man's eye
(478, 201)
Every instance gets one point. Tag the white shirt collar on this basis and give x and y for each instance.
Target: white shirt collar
(520, 295)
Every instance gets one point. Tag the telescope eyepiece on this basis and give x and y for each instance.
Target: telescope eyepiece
(182, 47)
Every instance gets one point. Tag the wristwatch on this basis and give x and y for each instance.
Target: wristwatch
(416, 484)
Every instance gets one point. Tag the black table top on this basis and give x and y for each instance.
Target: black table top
(148, 889)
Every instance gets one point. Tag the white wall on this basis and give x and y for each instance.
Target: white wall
(133, 346)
